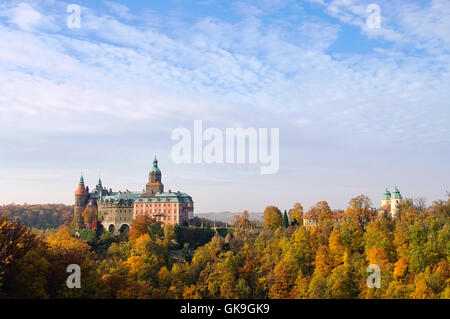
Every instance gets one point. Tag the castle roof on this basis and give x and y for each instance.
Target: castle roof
(121, 197)
(396, 193)
(132, 197)
(155, 168)
(81, 190)
(387, 194)
(166, 197)
(315, 216)
(99, 192)
(311, 215)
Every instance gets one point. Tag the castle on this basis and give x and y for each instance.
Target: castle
(117, 210)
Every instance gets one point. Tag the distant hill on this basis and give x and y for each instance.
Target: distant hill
(40, 216)
(228, 216)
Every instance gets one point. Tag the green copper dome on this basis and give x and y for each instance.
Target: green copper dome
(387, 194)
(155, 168)
(396, 193)
(81, 180)
(99, 184)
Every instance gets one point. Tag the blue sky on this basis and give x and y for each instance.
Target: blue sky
(358, 109)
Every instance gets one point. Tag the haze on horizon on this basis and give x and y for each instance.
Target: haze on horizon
(359, 109)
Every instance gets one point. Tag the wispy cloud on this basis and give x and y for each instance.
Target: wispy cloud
(118, 74)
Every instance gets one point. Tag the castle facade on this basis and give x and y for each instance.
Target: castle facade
(117, 210)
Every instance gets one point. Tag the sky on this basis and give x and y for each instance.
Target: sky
(358, 109)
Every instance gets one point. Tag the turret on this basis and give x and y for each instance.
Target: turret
(81, 198)
(396, 197)
(386, 199)
(99, 184)
(154, 184)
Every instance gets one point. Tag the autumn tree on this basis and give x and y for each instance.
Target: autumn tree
(64, 250)
(169, 232)
(272, 217)
(284, 280)
(242, 222)
(16, 240)
(343, 282)
(318, 288)
(323, 211)
(323, 264)
(140, 226)
(296, 214)
(358, 211)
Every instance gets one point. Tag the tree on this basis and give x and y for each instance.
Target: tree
(318, 288)
(323, 265)
(359, 212)
(343, 282)
(400, 268)
(241, 222)
(243, 289)
(169, 232)
(398, 290)
(16, 240)
(301, 287)
(64, 250)
(272, 217)
(285, 222)
(296, 214)
(337, 249)
(323, 210)
(140, 226)
(418, 256)
(284, 279)
(407, 212)
(423, 290)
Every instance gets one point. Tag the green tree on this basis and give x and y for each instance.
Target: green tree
(285, 222)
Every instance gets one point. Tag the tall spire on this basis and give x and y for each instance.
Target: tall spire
(81, 190)
(155, 168)
(99, 184)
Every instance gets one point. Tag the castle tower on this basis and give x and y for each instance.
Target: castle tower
(386, 199)
(154, 184)
(396, 197)
(81, 198)
(99, 184)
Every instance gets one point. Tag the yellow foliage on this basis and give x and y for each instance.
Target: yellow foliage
(134, 264)
(378, 256)
(400, 268)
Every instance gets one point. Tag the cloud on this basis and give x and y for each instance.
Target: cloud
(422, 27)
(117, 87)
(213, 68)
(119, 10)
(25, 17)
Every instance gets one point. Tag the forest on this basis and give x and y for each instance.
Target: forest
(282, 259)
